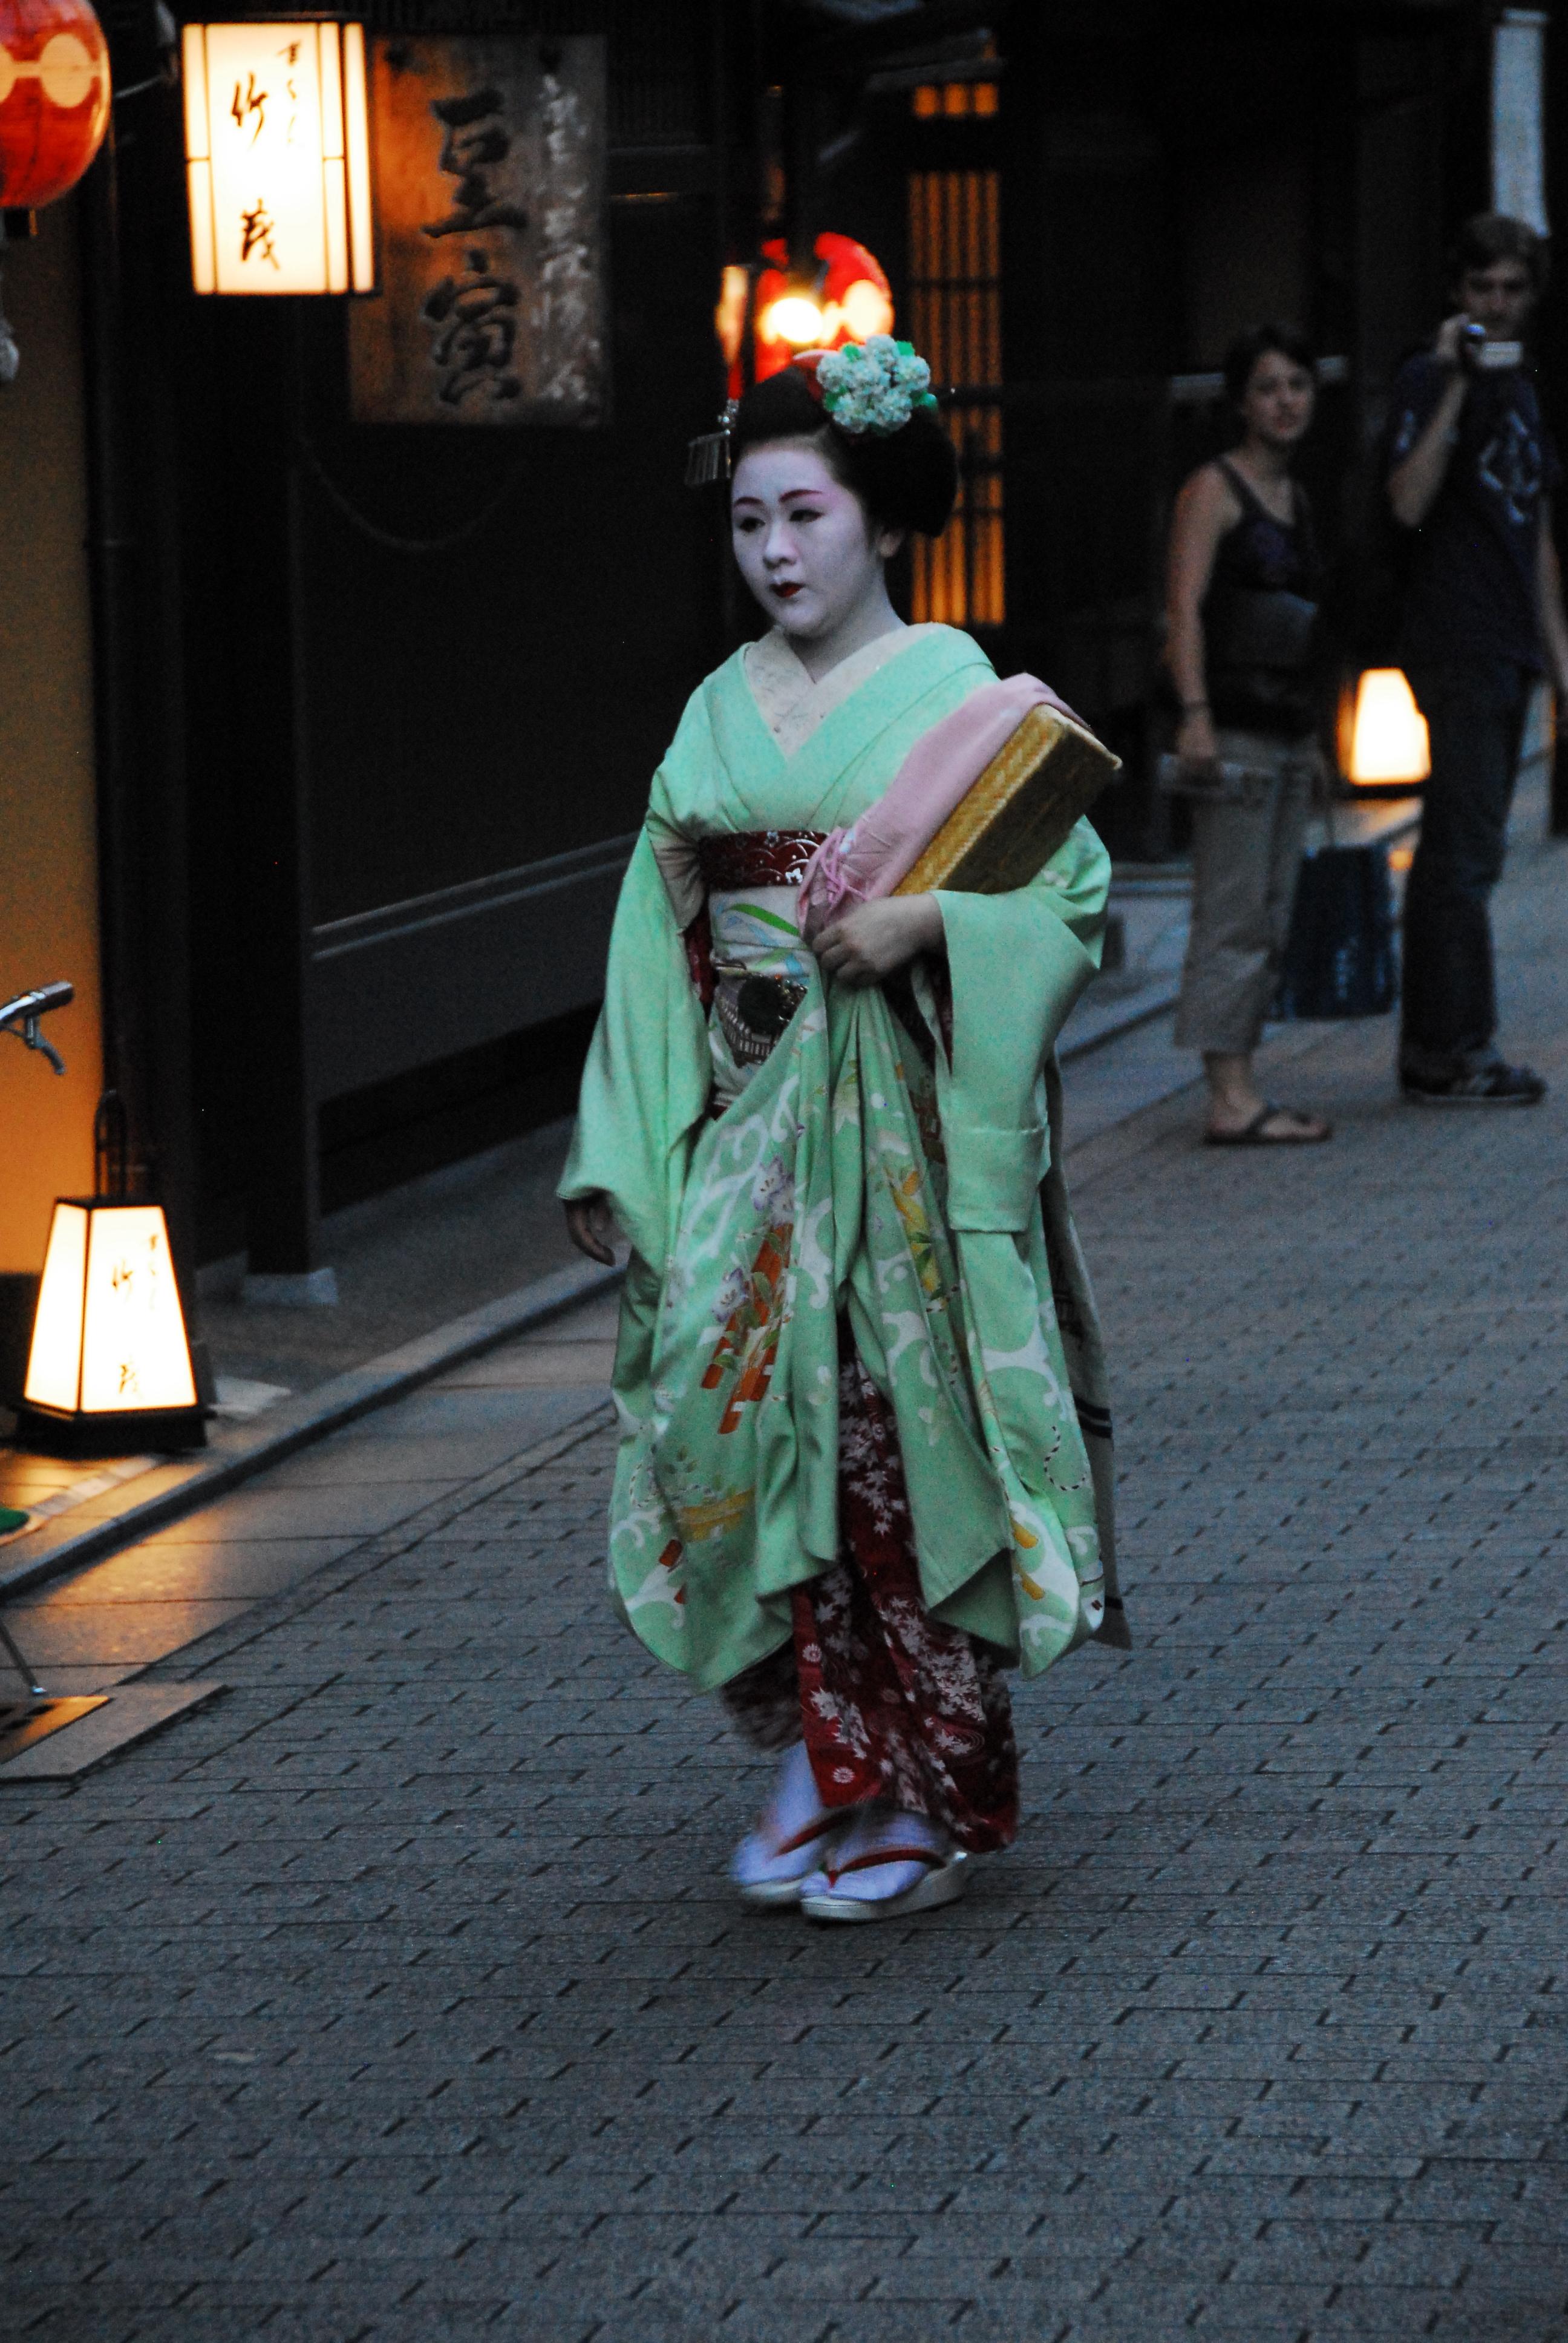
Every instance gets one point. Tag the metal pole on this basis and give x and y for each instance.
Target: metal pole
(34, 1688)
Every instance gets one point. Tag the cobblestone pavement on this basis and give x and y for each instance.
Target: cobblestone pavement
(398, 1994)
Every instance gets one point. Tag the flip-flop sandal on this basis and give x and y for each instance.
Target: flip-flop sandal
(947, 1875)
(772, 1874)
(1255, 1135)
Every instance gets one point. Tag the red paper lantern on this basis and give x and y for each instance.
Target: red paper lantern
(54, 97)
(848, 298)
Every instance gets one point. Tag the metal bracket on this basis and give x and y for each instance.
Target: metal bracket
(21, 1015)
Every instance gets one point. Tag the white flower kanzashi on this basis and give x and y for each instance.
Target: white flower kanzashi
(874, 386)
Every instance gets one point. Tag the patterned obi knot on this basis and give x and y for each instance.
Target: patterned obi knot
(757, 858)
(757, 966)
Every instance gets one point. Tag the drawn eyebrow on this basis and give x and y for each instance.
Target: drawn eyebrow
(784, 495)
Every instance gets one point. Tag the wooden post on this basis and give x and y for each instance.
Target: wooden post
(268, 735)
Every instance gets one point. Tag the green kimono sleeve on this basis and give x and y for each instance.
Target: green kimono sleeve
(1018, 962)
(645, 1085)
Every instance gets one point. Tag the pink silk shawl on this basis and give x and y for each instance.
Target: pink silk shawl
(867, 861)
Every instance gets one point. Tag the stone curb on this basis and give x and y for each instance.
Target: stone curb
(1119, 1017)
(241, 1452)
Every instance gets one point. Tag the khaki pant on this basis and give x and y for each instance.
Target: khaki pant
(1245, 863)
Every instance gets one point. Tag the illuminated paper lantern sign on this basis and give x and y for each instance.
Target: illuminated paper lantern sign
(1384, 738)
(110, 1361)
(54, 97)
(277, 158)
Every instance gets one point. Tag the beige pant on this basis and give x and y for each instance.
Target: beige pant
(1245, 863)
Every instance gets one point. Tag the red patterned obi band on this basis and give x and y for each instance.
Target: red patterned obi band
(757, 858)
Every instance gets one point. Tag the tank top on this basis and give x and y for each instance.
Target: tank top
(1260, 617)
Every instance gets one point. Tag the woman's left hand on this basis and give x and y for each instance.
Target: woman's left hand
(870, 942)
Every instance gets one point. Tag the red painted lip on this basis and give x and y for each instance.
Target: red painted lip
(784, 592)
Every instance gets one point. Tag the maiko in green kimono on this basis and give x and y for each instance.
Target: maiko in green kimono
(865, 1459)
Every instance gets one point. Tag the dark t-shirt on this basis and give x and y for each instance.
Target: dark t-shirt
(1471, 590)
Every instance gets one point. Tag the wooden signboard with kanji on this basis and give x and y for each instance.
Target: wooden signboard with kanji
(490, 209)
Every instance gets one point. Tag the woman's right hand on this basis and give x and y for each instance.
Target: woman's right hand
(1195, 742)
(589, 1226)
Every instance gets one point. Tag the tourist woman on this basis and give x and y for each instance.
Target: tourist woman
(864, 1463)
(1241, 604)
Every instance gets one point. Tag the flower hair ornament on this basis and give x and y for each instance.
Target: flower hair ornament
(872, 386)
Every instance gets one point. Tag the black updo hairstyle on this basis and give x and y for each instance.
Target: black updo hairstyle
(906, 478)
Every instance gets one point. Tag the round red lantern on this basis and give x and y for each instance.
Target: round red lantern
(847, 298)
(54, 97)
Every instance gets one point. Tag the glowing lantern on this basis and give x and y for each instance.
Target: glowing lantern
(1384, 738)
(110, 1365)
(794, 319)
(847, 298)
(867, 307)
(54, 97)
(277, 158)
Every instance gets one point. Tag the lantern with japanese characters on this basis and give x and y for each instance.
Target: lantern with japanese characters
(53, 98)
(277, 157)
(109, 1368)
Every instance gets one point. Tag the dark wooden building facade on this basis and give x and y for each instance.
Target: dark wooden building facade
(388, 698)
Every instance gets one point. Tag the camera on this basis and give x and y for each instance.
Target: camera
(1488, 357)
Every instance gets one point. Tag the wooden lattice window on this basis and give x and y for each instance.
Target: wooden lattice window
(955, 272)
(954, 99)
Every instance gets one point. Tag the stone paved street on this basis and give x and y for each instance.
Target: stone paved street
(397, 1994)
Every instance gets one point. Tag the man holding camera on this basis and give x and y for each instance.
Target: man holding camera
(1470, 475)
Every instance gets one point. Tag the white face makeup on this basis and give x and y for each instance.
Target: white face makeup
(803, 540)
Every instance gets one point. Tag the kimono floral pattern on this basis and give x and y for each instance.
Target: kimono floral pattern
(752, 1303)
(821, 1191)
